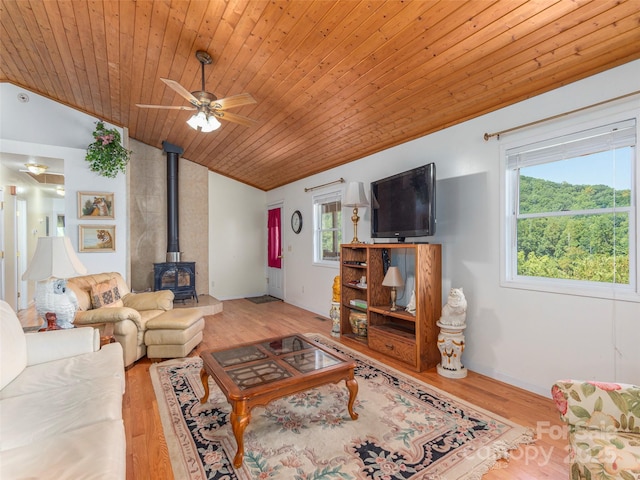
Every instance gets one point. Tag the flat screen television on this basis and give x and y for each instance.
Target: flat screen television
(404, 205)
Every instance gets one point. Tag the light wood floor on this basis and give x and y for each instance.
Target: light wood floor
(242, 321)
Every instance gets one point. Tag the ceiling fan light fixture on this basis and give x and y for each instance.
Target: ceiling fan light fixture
(36, 168)
(212, 124)
(201, 122)
(197, 120)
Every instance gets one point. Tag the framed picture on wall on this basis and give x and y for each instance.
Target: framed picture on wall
(97, 238)
(96, 206)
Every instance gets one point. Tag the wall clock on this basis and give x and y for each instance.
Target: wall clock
(296, 221)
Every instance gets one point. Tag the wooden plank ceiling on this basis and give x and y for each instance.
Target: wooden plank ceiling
(334, 80)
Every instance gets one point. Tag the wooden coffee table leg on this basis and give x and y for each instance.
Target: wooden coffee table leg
(240, 417)
(352, 385)
(204, 377)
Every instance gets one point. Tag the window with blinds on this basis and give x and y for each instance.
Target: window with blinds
(327, 220)
(571, 210)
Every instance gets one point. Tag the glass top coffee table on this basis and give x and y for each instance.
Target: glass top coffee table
(256, 373)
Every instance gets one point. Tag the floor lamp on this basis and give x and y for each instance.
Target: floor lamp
(355, 198)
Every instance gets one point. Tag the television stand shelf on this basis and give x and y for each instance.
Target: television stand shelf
(411, 339)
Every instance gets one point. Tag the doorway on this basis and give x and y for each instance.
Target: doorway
(21, 254)
(275, 273)
(33, 204)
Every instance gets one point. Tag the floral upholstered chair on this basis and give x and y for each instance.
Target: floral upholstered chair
(604, 428)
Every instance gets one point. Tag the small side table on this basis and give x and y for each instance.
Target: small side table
(106, 337)
(31, 329)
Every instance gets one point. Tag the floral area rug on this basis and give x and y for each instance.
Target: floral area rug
(406, 429)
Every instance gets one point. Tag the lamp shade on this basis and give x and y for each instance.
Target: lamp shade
(355, 196)
(197, 120)
(211, 124)
(393, 278)
(54, 257)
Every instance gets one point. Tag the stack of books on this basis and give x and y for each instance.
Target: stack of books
(358, 303)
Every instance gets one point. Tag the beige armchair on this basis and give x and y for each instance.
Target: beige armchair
(105, 299)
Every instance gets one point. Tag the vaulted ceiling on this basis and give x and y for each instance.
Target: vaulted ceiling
(334, 80)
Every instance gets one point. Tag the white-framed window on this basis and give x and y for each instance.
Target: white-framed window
(570, 212)
(327, 228)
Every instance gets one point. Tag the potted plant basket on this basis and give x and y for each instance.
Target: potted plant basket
(106, 155)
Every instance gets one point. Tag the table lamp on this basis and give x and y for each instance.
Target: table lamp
(355, 198)
(394, 280)
(52, 263)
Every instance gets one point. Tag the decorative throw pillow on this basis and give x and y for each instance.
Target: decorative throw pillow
(106, 294)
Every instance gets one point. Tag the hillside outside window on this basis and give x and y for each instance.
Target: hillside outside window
(571, 211)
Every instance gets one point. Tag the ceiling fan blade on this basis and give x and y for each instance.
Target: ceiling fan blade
(167, 107)
(45, 173)
(233, 101)
(182, 91)
(235, 118)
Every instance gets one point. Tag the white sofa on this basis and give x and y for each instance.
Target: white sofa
(60, 404)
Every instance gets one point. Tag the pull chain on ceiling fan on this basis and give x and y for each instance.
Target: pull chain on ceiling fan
(209, 109)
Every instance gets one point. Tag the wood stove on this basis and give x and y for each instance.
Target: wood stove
(174, 275)
(179, 277)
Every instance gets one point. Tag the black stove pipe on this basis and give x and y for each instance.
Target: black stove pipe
(173, 243)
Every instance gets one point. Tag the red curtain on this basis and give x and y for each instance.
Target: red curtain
(274, 245)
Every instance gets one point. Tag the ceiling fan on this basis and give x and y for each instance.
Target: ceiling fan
(208, 107)
(36, 169)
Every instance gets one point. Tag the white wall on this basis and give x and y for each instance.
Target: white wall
(45, 128)
(237, 239)
(525, 338)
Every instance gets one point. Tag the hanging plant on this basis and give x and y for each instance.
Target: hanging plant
(107, 156)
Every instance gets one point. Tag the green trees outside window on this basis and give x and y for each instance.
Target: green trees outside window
(589, 246)
(573, 217)
(327, 227)
(331, 230)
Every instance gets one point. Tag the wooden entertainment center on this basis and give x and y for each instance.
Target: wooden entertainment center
(410, 339)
